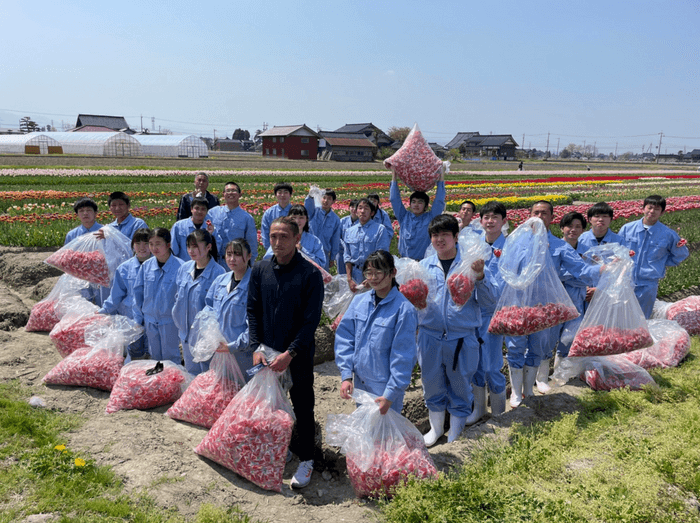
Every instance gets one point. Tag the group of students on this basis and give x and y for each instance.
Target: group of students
(176, 273)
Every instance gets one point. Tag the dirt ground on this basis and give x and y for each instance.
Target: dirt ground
(153, 453)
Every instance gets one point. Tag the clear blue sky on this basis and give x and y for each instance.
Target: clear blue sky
(605, 72)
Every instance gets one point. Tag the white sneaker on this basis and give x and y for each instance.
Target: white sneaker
(302, 477)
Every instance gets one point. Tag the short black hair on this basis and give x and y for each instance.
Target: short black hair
(84, 202)
(544, 202)
(473, 206)
(238, 187)
(300, 210)
(443, 223)
(161, 232)
(118, 195)
(370, 204)
(287, 220)
(655, 199)
(420, 195)
(352, 204)
(569, 218)
(283, 186)
(494, 207)
(331, 193)
(199, 200)
(141, 235)
(600, 208)
(373, 196)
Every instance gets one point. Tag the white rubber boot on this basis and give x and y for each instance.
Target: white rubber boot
(516, 386)
(437, 427)
(529, 377)
(542, 380)
(456, 428)
(498, 403)
(557, 360)
(479, 405)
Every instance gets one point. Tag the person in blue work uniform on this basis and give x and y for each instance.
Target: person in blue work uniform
(656, 247)
(181, 229)
(488, 372)
(283, 193)
(413, 232)
(194, 278)
(530, 355)
(125, 222)
(360, 240)
(345, 223)
(448, 348)
(285, 297)
(467, 210)
(230, 221)
(310, 245)
(228, 297)
(155, 289)
(572, 225)
(375, 342)
(86, 211)
(201, 183)
(325, 225)
(381, 216)
(121, 295)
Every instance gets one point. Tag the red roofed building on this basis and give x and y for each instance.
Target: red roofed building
(294, 142)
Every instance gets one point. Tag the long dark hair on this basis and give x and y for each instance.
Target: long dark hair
(203, 235)
(300, 210)
(240, 247)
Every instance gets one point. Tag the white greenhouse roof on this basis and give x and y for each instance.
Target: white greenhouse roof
(164, 139)
(16, 143)
(101, 144)
(172, 145)
(91, 138)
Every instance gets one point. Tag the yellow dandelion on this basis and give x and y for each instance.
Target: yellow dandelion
(60, 447)
(79, 462)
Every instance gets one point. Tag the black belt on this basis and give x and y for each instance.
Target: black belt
(460, 344)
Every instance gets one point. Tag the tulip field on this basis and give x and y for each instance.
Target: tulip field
(36, 204)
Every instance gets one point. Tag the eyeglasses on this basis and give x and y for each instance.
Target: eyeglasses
(368, 274)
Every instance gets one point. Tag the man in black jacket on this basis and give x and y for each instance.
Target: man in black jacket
(285, 295)
(201, 182)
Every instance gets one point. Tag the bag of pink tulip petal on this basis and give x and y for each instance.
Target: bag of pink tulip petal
(44, 316)
(533, 298)
(687, 313)
(339, 298)
(614, 322)
(671, 345)
(91, 259)
(615, 372)
(325, 275)
(146, 384)
(414, 282)
(461, 279)
(382, 451)
(252, 435)
(76, 315)
(97, 365)
(415, 163)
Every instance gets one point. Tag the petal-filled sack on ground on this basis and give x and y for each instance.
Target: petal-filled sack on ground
(76, 315)
(97, 365)
(382, 451)
(414, 282)
(146, 384)
(533, 297)
(209, 394)
(686, 312)
(252, 435)
(44, 315)
(415, 163)
(462, 278)
(614, 323)
(671, 345)
(91, 259)
(603, 372)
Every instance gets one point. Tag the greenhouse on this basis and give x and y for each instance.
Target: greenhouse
(98, 144)
(32, 143)
(172, 145)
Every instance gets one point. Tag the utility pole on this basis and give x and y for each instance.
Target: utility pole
(141, 123)
(547, 150)
(594, 149)
(616, 150)
(558, 145)
(659, 151)
(214, 134)
(523, 142)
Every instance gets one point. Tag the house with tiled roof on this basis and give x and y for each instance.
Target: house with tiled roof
(346, 147)
(459, 139)
(113, 123)
(373, 133)
(494, 145)
(293, 142)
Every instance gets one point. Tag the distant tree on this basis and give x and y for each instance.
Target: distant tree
(398, 133)
(27, 125)
(240, 134)
(385, 152)
(626, 156)
(571, 148)
(454, 154)
(566, 153)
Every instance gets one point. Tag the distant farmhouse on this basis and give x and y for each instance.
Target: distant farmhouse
(492, 145)
(293, 142)
(227, 144)
(373, 133)
(101, 123)
(346, 147)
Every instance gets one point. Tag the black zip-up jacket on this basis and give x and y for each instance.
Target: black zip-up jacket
(284, 305)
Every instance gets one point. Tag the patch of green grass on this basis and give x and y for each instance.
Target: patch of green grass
(625, 456)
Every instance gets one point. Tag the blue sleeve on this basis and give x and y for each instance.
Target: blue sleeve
(265, 229)
(396, 203)
(318, 253)
(403, 353)
(386, 222)
(138, 297)
(116, 295)
(439, 204)
(242, 341)
(676, 254)
(384, 240)
(173, 240)
(345, 343)
(486, 290)
(573, 263)
(251, 235)
(310, 205)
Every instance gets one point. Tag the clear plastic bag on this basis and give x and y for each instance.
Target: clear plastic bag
(462, 278)
(603, 372)
(146, 384)
(327, 278)
(414, 282)
(252, 435)
(97, 365)
(382, 451)
(91, 259)
(285, 378)
(209, 394)
(76, 315)
(317, 194)
(415, 163)
(205, 336)
(660, 309)
(614, 323)
(44, 317)
(671, 345)
(533, 297)
(687, 313)
(337, 296)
